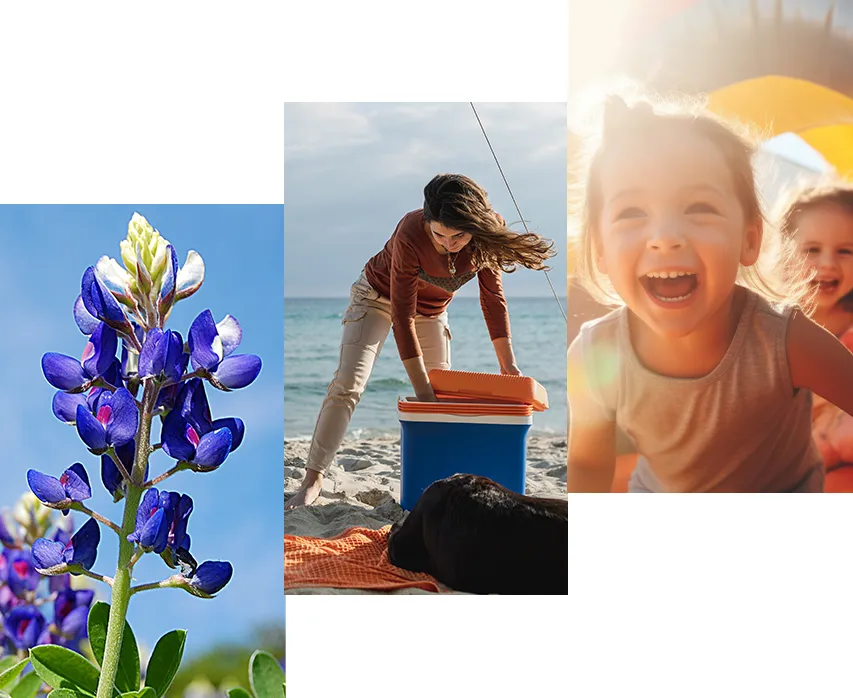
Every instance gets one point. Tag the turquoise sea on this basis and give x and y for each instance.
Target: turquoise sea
(312, 329)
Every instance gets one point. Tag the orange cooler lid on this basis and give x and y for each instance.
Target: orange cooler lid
(488, 386)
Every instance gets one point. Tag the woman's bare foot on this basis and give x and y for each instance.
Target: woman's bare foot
(308, 492)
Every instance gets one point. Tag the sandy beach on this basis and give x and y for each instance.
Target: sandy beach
(362, 489)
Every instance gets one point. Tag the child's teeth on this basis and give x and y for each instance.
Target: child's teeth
(668, 274)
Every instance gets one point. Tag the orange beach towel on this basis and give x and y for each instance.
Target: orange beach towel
(355, 559)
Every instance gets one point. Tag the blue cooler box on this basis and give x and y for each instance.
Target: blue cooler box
(435, 446)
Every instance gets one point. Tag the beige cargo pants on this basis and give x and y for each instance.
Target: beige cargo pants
(366, 324)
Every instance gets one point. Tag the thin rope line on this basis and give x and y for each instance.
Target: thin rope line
(512, 196)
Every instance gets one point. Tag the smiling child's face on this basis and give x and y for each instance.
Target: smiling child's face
(672, 233)
(824, 236)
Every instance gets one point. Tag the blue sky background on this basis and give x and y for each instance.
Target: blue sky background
(237, 515)
(351, 171)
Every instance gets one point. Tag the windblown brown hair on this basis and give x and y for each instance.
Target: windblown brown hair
(459, 203)
(809, 196)
(771, 277)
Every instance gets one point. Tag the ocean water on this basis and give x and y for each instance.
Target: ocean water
(312, 333)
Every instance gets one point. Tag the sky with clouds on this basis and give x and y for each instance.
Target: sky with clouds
(237, 515)
(351, 171)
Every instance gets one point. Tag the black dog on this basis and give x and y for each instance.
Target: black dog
(476, 536)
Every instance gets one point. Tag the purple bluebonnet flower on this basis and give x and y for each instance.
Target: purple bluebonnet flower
(56, 557)
(69, 374)
(23, 626)
(190, 435)
(102, 304)
(210, 577)
(161, 521)
(163, 356)
(72, 486)
(21, 574)
(111, 421)
(211, 348)
(70, 613)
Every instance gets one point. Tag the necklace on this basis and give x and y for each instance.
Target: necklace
(451, 264)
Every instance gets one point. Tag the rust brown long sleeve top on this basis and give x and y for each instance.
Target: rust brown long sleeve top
(417, 279)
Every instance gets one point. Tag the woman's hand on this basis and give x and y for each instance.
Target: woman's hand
(417, 372)
(506, 358)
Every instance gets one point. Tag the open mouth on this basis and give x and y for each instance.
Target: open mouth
(827, 286)
(670, 286)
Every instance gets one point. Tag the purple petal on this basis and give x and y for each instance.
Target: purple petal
(65, 406)
(213, 448)
(152, 358)
(149, 503)
(110, 475)
(48, 489)
(167, 290)
(230, 333)
(193, 405)
(76, 483)
(235, 425)
(124, 420)
(205, 345)
(47, 554)
(174, 437)
(176, 360)
(91, 430)
(63, 372)
(154, 533)
(75, 622)
(238, 371)
(84, 545)
(100, 302)
(100, 351)
(87, 322)
(212, 576)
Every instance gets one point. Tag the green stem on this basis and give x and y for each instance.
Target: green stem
(120, 597)
(121, 582)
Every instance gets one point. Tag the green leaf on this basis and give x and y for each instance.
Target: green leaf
(63, 693)
(61, 668)
(7, 662)
(146, 692)
(239, 693)
(10, 674)
(266, 676)
(165, 661)
(27, 687)
(127, 676)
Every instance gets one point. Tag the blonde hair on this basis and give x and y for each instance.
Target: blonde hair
(774, 276)
(807, 196)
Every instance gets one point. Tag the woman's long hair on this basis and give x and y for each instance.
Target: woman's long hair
(459, 203)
